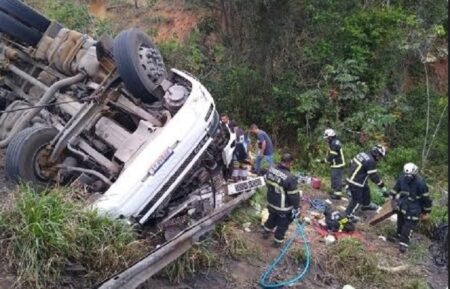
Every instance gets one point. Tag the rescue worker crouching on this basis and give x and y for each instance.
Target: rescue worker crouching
(283, 199)
(336, 161)
(413, 203)
(362, 167)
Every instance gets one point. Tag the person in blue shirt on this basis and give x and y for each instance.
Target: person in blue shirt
(265, 148)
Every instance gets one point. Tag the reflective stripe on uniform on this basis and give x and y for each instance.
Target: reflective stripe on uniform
(355, 183)
(372, 171)
(333, 152)
(293, 192)
(380, 183)
(403, 244)
(426, 195)
(286, 209)
(358, 168)
(342, 157)
(337, 166)
(276, 185)
(278, 241)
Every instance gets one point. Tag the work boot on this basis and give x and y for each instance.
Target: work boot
(370, 207)
(277, 244)
(403, 248)
(266, 235)
(393, 238)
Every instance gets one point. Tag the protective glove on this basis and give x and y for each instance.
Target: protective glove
(295, 213)
(385, 192)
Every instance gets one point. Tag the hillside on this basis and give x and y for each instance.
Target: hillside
(375, 72)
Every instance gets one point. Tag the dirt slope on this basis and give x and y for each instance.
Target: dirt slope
(244, 273)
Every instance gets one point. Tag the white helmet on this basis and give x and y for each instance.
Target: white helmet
(329, 133)
(410, 169)
(379, 150)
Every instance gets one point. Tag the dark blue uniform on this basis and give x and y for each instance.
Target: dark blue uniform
(337, 162)
(282, 197)
(413, 199)
(362, 167)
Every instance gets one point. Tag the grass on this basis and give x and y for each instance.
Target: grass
(417, 252)
(198, 258)
(42, 234)
(232, 244)
(350, 263)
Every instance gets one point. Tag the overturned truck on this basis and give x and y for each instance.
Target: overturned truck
(106, 115)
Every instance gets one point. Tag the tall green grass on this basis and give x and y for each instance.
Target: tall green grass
(45, 235)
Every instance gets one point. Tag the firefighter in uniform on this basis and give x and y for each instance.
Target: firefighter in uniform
(336, 161)
(413, 203)
(283, 199)
(362, 167)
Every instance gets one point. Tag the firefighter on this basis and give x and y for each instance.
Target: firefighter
(283, 199)
(413, 203)
(336, 161)
(362, 167)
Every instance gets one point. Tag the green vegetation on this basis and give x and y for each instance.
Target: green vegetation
(198, 258)
(44, 236)
(369, 69)
(231, 242)
(352, 264)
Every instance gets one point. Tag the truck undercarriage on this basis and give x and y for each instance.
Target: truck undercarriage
(107, 116)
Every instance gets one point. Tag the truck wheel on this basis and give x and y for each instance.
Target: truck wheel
(139, 62)
(18, 30)
(25, 155)
(25, 14)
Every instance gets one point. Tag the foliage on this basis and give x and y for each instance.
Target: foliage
(363, 269)
(198, 258)
(231, 242)
(71, 14)
(42, 234)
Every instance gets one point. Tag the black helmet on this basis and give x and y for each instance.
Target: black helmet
(287, 158)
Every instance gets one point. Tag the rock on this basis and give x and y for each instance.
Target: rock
(328, 201)
(348, 287)
(344, 199)
(382, 238)
(329, 239)
(341, 208)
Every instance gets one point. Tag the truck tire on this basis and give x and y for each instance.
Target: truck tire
(25, 14)
(140, 64)
(18, 30)
(21, 154)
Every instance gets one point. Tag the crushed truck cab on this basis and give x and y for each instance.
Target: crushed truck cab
(107, 116)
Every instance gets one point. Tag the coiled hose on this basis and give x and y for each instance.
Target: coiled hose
(264, 280)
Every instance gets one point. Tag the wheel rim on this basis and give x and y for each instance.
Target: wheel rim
(43, 169)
